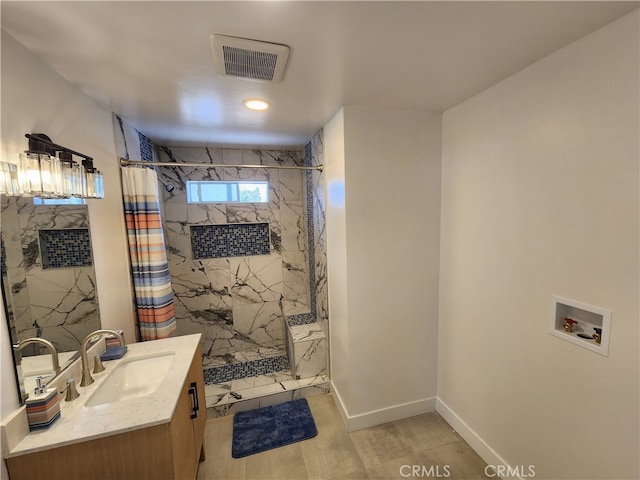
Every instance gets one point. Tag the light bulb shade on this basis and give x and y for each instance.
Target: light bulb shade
(94, 186)
(47, 175)
(72, 177)
(99, 184)
(91, 183)
(67, 178)
(29, 174)
(78, 181)
(50, 176)
(9, 184)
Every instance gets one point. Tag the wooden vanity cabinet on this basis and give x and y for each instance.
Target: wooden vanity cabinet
(188, 422)
(168, 451)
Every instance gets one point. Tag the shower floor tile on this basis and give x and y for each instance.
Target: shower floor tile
(250, 377)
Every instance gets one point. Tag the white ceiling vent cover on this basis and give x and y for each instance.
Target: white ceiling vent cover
(250, 59)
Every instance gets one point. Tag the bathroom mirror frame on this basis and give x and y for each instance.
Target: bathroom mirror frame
(67, 308)
(4, 291)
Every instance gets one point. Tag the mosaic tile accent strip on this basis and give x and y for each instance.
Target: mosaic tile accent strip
(253, 368)
(308, 162)
(300, 319)
(65, 248)
(146, 148)
(230, 240)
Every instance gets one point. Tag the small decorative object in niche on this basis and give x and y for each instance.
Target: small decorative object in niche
(568, 324)
(581, 324)
(65, 248)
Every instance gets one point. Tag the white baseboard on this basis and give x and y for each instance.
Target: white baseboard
(384, 415)
(487, 453)
(339, 404)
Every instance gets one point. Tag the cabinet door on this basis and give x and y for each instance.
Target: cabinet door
(196, 376)
(185, 464)
(139, 454)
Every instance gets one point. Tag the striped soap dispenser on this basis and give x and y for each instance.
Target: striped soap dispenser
(43, 408)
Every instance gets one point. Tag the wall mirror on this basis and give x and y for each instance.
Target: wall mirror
(48, 282)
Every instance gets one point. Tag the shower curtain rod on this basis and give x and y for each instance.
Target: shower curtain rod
(124, 162)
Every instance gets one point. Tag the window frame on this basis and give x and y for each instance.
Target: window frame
(229, 184)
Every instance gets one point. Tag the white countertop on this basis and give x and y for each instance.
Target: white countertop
(42, 364)
(79, 423)
(31, 367)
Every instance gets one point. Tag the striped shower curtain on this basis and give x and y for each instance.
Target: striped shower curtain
(152, 282)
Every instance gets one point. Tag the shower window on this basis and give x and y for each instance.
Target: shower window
(58, 201)
(227, 192)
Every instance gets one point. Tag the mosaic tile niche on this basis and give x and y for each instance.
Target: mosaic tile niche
(239, 298)
(65, 248)
(231, 240)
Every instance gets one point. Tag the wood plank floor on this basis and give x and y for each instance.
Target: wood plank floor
(424, 446)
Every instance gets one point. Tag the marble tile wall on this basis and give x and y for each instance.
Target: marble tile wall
(237, 303)
(315, 199)
(307, 350)
(130, 143)
(59, 304)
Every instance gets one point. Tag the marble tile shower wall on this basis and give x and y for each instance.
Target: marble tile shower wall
(315, 208)
(58, 303)
(237, 303)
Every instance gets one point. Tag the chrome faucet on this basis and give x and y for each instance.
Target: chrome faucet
(87, 379)
(30, 341)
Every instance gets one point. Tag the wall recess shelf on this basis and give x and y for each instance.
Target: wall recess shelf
(585, 318)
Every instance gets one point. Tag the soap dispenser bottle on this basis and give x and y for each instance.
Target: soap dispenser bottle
(43, 408)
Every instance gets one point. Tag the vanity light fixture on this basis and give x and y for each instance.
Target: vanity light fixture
(256, 104)
(47, 170)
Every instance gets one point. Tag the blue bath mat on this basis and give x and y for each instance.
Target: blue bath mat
(270, 427)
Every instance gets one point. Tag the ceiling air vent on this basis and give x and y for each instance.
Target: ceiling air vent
(250, 59)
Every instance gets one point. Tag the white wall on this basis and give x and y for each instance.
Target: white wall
(37, 99)
(540, 196)
(8, 389)
(336, 234)
(383, 246)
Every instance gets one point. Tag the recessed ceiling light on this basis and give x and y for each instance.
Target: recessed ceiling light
(256, 104)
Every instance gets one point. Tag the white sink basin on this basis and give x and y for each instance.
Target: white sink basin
(133, 378)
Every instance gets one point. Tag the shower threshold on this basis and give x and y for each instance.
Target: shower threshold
(253, 379)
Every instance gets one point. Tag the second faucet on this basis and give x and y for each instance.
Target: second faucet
(87, 379)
